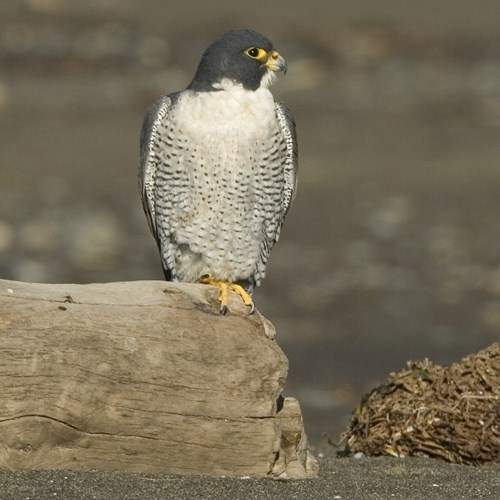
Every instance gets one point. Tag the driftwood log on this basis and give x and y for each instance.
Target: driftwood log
(145, 377)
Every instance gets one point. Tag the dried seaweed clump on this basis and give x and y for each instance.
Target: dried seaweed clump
(452, 412)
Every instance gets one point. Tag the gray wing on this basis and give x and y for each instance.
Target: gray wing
(149, 161)
(290, 167)
(287, 124)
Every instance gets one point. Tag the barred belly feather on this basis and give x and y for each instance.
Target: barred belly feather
(220, 184)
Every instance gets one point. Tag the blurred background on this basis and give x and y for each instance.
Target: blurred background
(391, 251)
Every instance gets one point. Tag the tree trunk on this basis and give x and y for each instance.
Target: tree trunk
(145, 377)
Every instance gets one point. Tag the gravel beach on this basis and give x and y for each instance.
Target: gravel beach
(340, 479)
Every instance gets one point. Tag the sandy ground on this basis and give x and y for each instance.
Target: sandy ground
(391, 251)
(364, 479)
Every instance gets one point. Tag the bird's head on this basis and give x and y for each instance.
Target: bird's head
(241, 56)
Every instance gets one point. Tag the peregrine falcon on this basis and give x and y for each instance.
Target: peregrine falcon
(218, 168)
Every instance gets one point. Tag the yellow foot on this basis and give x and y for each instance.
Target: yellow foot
(224, 287)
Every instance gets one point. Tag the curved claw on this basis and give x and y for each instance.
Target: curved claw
(252, 308)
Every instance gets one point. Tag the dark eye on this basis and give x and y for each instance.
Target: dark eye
(256, 53)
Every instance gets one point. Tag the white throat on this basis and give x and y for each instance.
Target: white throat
(230, 107)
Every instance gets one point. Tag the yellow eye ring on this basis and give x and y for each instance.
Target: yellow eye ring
(256, 53)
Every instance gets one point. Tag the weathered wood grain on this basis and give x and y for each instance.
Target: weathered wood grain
(143, 376)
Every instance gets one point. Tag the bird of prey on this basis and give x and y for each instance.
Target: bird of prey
(218, 168)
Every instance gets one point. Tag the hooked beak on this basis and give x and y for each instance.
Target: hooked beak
(275, 62)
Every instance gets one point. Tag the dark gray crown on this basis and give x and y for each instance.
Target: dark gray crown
(226, 58)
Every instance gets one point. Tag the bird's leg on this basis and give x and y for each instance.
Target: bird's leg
(223, 287)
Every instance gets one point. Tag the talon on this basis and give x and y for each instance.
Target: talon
(223, 298)
(224, 286)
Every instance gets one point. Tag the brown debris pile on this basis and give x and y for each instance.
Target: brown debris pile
(451, 412)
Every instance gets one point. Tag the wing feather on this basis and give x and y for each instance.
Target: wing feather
(151, 163)
(156, 114)
(272, 228)
(287, 124)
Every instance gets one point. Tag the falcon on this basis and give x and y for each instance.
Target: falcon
(218, 168)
